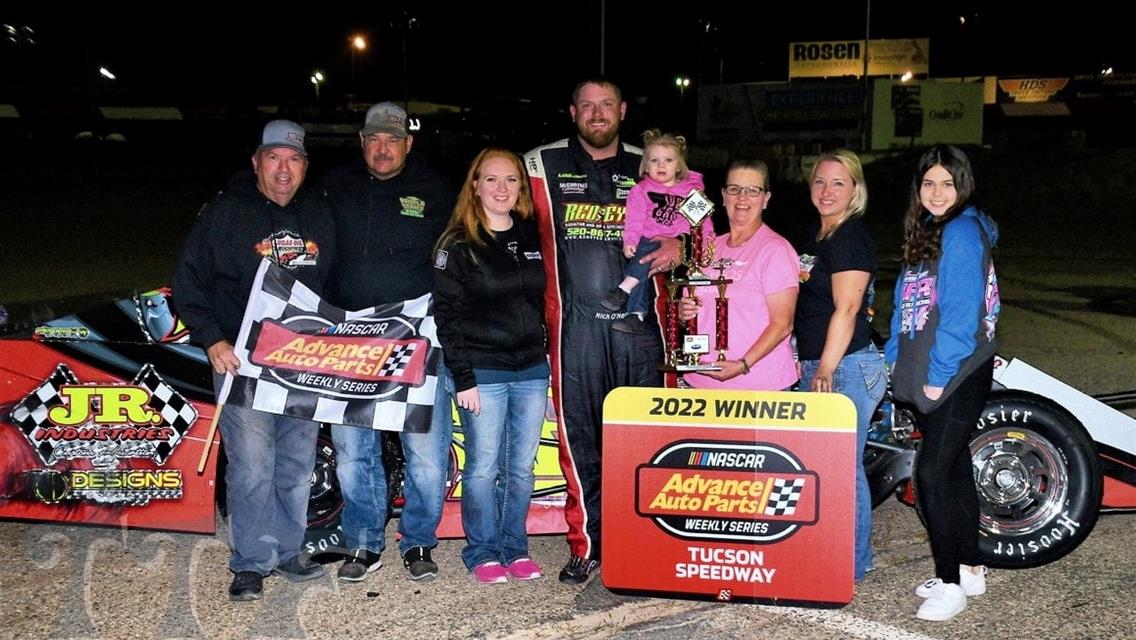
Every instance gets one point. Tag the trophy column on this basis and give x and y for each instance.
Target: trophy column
(696, 256)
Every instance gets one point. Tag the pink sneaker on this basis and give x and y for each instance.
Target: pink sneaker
(490, 573)
(524, 569)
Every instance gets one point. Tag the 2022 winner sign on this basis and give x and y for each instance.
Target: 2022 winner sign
(729, 495)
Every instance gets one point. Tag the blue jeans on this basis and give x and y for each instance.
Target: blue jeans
(497, 482)
(267, 483)
(637, 301)
(861, 377)
(363, 483)
(427, 462)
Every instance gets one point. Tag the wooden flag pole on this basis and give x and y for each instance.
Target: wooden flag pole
(209, 440)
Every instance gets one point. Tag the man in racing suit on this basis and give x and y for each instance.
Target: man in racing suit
(580, 187)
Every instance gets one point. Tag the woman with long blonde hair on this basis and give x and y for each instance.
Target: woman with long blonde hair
(489, 305)
(833, 322)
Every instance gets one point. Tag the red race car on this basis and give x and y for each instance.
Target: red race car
(104, 416)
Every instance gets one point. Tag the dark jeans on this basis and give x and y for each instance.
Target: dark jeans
(637, 301)
(944, 479)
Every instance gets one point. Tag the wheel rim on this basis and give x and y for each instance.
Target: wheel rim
(1021, 479)
(324, 497)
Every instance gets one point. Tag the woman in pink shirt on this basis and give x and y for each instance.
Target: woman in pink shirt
(763, 295)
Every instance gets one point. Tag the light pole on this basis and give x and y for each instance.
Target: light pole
(317, 79)
(682, 82)
(358, 43)
(406, 24)
(867, 87)
(21, 36)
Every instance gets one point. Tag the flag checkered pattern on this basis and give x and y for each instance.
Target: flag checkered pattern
(31, 412)
(176, 411)
(784, 497)
(276, 295)
(399, 359)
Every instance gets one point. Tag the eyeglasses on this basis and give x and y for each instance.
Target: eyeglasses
(750, 191)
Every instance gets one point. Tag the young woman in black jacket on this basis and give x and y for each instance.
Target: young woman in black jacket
(489, 305)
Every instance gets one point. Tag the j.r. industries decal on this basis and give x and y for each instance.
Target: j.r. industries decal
(105, 425)
(750, 492)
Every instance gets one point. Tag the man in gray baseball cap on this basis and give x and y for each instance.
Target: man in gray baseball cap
(386, 117)
(264, 213)
(283, 133)
(389, 209)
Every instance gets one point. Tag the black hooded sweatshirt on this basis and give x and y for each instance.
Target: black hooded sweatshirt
(386, 230)
(238, 228)
(489, 303)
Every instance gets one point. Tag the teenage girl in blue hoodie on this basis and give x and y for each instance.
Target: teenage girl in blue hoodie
(941, 352)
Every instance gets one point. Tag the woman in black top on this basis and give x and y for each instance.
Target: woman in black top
(833, 322)
(489, 305)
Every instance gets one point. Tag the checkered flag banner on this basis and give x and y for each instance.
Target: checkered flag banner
(176, 411)
(303, 357)
(784, 497)
(31, 412)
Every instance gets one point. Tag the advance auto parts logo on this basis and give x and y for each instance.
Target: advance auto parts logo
(747, 492)
(358, 359)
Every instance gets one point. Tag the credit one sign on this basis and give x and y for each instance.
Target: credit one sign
(846, 58)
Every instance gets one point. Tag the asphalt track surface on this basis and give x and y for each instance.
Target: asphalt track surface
(1062, 313)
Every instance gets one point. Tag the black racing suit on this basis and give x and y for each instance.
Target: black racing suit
(580, 205)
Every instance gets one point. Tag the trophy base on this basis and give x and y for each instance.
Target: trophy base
(686, 368)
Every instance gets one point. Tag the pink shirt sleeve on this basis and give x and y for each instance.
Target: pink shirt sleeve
(780, 267)
(638, 208)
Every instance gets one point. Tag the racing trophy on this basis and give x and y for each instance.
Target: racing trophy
(696, 255)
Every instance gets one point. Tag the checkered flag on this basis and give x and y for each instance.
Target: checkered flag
(396, 364)
(31, 412)
(399, 392)
(784, 497)
(176, 411)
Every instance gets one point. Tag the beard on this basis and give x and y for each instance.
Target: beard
(598, 138)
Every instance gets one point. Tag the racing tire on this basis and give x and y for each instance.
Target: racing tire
(325, 502)
(1038, 480)
(394, 464)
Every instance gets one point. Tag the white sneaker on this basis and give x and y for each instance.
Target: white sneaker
(946, 601)
(974, 584)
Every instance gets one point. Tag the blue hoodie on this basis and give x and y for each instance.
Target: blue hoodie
(945, 312)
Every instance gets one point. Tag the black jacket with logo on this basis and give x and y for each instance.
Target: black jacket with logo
(387, 230)
(489, 304)
(232, 234)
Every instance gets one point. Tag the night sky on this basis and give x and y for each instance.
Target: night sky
(482, 52)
